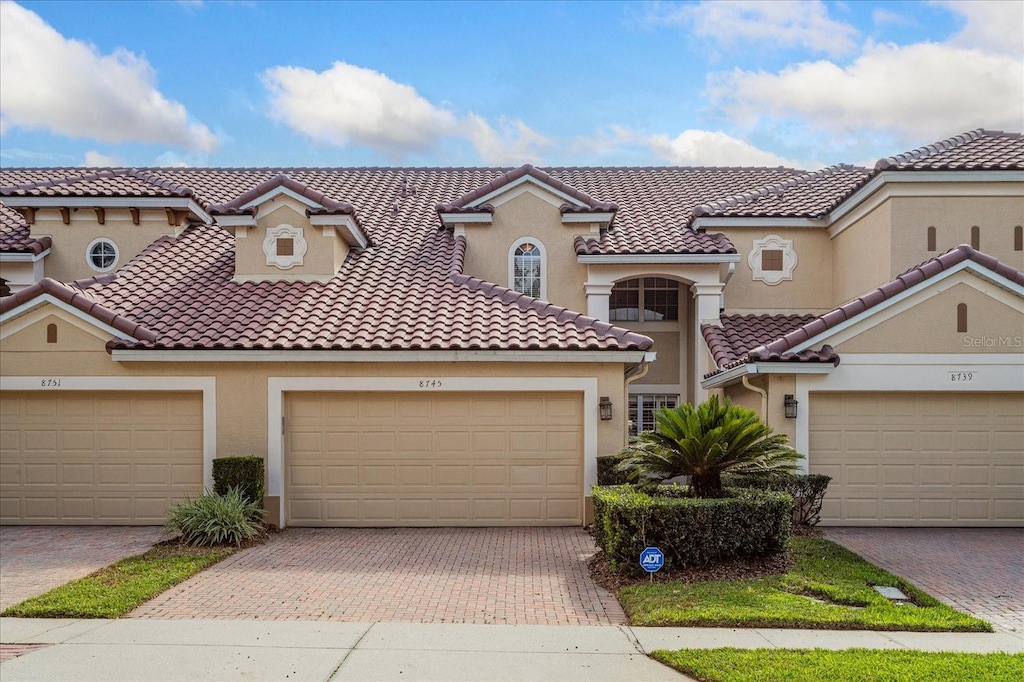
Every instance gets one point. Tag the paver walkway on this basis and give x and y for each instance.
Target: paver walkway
(35, 559)
(525, 576)
(977, 570)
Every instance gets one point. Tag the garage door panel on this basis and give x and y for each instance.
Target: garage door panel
(88, 458)
(940, 460)
(448, 459)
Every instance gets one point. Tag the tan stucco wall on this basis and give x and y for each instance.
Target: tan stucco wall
(324, 251)
(242, 386)
(527, 215)
(738, 394)
(809, 291)
(670, 346)
(953, 217)
(67, 260)
(930, 327)
(778, 386)
(861, 255)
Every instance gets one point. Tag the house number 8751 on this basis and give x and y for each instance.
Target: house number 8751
(49, 383)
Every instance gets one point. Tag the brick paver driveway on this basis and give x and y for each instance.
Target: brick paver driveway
(977, 570)
(420, 575)
(34, 559)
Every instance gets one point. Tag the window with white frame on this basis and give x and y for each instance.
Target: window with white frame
(642, 407)
(527, 268)
(101, 254)
(656, 297)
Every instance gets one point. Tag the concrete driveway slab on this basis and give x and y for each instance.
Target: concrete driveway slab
(35, 559)
(977, 570)
(241, 633)
(535, 576)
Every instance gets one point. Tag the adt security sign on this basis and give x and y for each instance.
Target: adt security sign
(652, 559)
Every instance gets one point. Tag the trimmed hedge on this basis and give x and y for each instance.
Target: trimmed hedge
(606, 473)
(807, 490)
(691, 531)
(244, 473)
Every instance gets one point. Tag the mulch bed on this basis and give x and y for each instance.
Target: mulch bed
(741, 569)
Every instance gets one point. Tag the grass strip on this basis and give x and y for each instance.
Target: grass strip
(828, 587)
(115, 590)
(849, 665)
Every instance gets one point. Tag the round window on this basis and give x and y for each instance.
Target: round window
(102, 255)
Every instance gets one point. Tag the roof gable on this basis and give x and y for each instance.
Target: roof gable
(974, 150)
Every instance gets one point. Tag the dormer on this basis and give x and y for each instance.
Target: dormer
(575, 209)
(285, 230)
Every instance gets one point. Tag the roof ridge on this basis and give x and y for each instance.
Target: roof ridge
(905, 280)
(945, 145)
(775, 188)
(78, 299)
(526, 170)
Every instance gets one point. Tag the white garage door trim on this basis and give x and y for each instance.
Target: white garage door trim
(206, 385)
(278, 386)
(907, 373)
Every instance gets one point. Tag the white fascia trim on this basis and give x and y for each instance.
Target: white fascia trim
(735, 374)
(23, 257)
(379, 356)
(267, 196)
(977, 269)
(704, 222)
(604, 217)
(914, 360)
(661, 258)
(350, 232)
(236, 220)
(206, 385)
(533, 181)
(450, 219)
(44, 299)
(278, 386)
(910, 176)
(112, 202)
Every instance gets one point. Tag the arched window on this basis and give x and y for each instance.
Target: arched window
(526, 269)
(51, 333)
(975, 237)
(961, 317)
(1018, 238)
(931, 238)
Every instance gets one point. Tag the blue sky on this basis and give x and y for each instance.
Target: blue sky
(558, 83)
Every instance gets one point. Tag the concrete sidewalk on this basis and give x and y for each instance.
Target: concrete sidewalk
(252, 650)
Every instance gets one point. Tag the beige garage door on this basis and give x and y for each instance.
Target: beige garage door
(452, 459)
(98, 458)
(920, 459)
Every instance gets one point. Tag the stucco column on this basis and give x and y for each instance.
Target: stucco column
(597, 300)
(706, 300)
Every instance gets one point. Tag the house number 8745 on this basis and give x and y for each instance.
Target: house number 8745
(431, 383)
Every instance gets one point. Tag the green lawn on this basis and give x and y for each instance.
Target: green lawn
(850, 665)
(115, 590)
(828, 587)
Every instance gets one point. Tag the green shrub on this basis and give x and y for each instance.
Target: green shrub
(212, 519)
(607, 474)
(691, 531)
(244, 473)
(807, 490)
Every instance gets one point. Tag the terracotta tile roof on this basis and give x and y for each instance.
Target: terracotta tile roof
(811, 195)
(587, 202)
(17, 239)
(99, 183)
(328, 205)
(76, 298)
(975, 150)
(731, 343)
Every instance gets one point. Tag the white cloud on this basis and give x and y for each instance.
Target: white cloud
(917, 91)
(787, 23)
(713, 148)
(95, 159)
(348, 104)
(67, 87)
(991, 26)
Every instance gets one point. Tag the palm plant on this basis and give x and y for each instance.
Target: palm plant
(704, 441)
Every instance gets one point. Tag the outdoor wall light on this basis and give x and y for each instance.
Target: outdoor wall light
(605, 405)
(791, 404)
